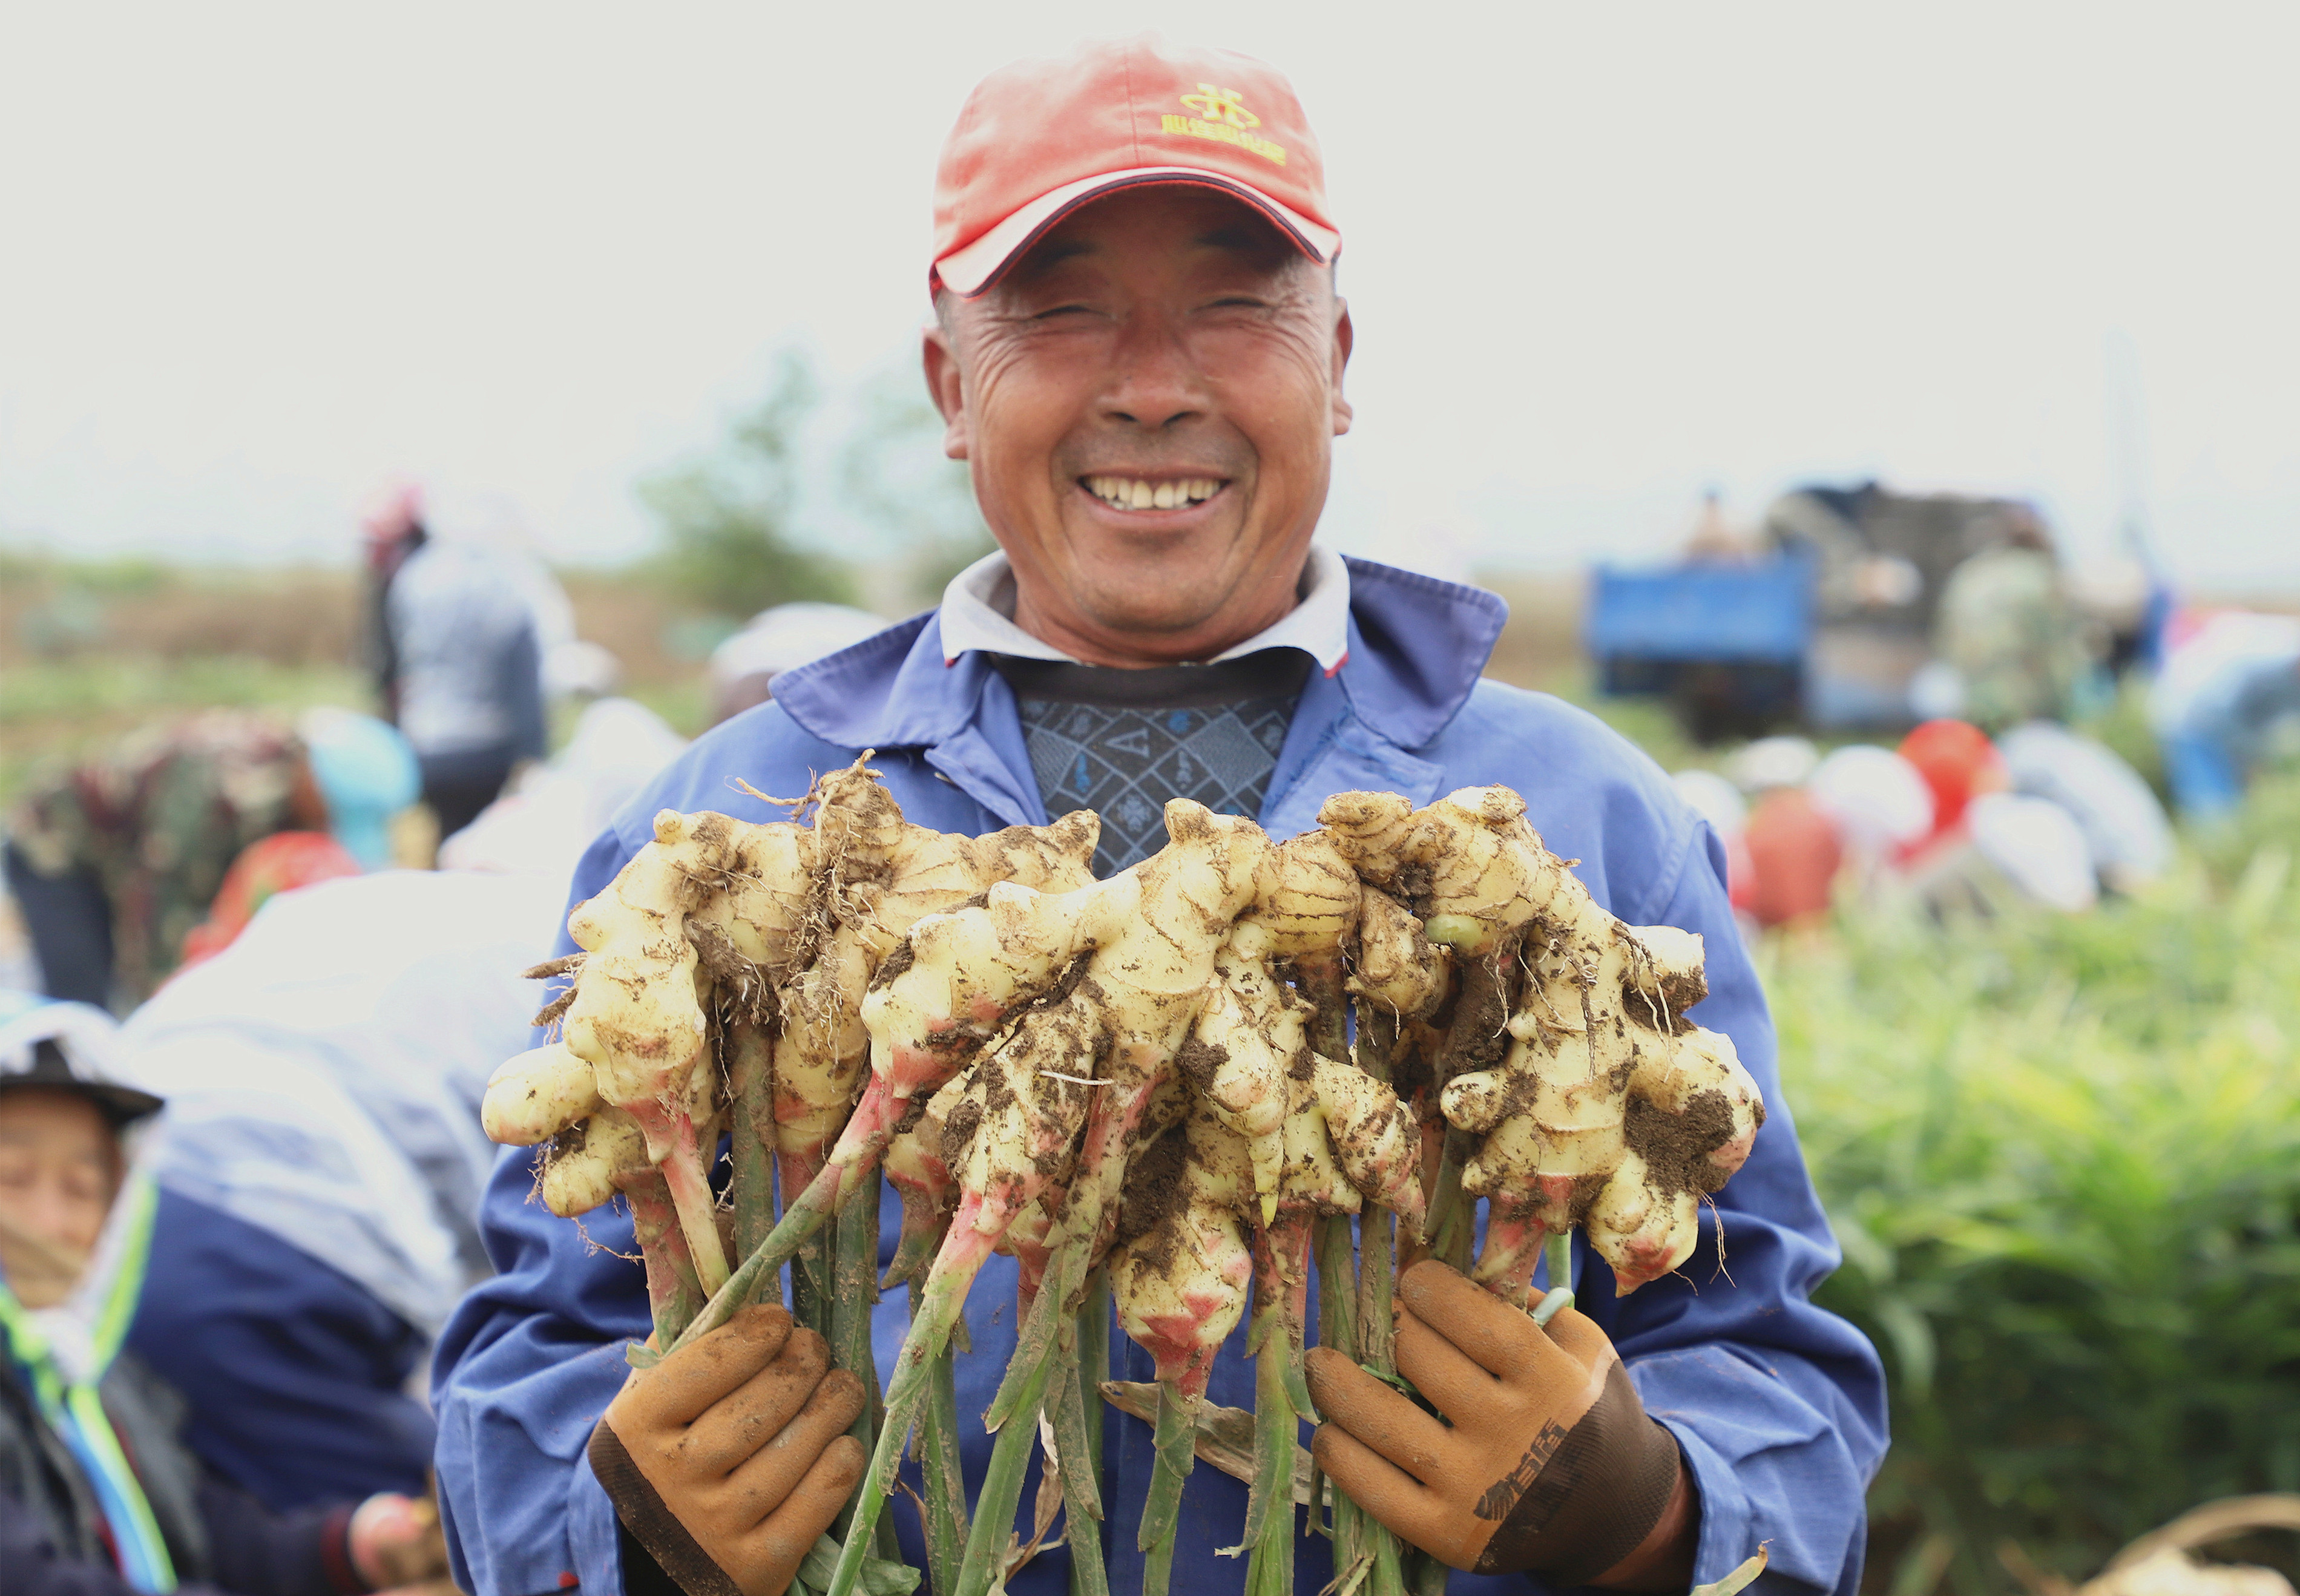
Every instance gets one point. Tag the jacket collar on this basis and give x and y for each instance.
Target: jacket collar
(1417, 647)
(978, 612)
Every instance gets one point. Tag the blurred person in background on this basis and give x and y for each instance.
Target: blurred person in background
(1714, 539)
(744, 668)
(98, 1494)
(1793, 849)
(391, 528)
(322, 1167)
(458, 655)
(1959, 763)
(2128, 837)
(114, 861)
(2227, 701)
(2007, 630)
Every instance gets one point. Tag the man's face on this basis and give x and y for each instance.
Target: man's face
(1148, 399)
(59, 1169)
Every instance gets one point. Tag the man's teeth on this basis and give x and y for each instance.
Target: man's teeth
(1132, 493)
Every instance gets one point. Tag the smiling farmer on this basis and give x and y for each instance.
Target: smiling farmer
(1138, 351)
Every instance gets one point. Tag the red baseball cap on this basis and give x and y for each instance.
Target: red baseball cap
(1041, 137)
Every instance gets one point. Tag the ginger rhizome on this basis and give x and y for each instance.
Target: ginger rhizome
(1136, 1037)
(1176, 1096)
(1606, 1108)
(719, 988)
(636, 1018)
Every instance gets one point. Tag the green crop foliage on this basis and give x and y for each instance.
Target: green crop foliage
(2063, 1155)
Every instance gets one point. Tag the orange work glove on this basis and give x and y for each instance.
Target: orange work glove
(1545, 1460)
(728, 1460)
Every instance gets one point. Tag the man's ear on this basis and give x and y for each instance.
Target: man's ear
(947, 388)
(1344, 339)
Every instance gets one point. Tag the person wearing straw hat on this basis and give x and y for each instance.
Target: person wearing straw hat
(1139, 351)
(99, 1496)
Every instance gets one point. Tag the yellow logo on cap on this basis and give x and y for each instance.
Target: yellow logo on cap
(1220, 105)
(1223, 118)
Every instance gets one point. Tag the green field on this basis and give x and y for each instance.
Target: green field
(2063, 1155)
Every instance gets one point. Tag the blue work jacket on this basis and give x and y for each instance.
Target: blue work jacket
(1778, 1407)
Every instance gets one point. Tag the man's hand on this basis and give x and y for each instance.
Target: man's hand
(728, 1460)
(1545, 1460)
(395, 1541)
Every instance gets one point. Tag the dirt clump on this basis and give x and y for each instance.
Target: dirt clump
(1153, 1195)
(959, 1130)
(895, 964)
(1198, 1060)
(1676, 1147)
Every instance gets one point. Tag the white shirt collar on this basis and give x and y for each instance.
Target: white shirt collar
(978, 612)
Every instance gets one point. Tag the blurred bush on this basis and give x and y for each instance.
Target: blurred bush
(2268, 818)
(861, 471)
(2063, 1155)
(897, 481)
(728, 523)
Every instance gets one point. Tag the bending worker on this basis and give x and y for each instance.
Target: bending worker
(1138, 350)
(319, 1187)
(98, 1494)
(116, 861)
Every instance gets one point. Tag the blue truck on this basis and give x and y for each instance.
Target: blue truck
(1825, 624)
(1725, 643)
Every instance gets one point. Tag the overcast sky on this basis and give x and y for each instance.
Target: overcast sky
(252, 258)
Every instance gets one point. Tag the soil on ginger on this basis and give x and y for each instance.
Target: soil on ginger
(1302, 1066)
(996, 1093)
(718, 956)
(1153, 1193)
(1676, 1147)
(958, 1131)
(913, 1111)
(895, 964)
(1479, 1036)
(712, 835)
(1072, 978)
(1198, 1060)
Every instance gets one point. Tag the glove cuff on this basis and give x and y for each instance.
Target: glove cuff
(652, 1523)
(1604, 1489)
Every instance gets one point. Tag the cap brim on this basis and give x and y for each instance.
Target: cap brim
(969, 269)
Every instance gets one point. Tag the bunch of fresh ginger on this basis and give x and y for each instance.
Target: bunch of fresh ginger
(1161, 1091)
